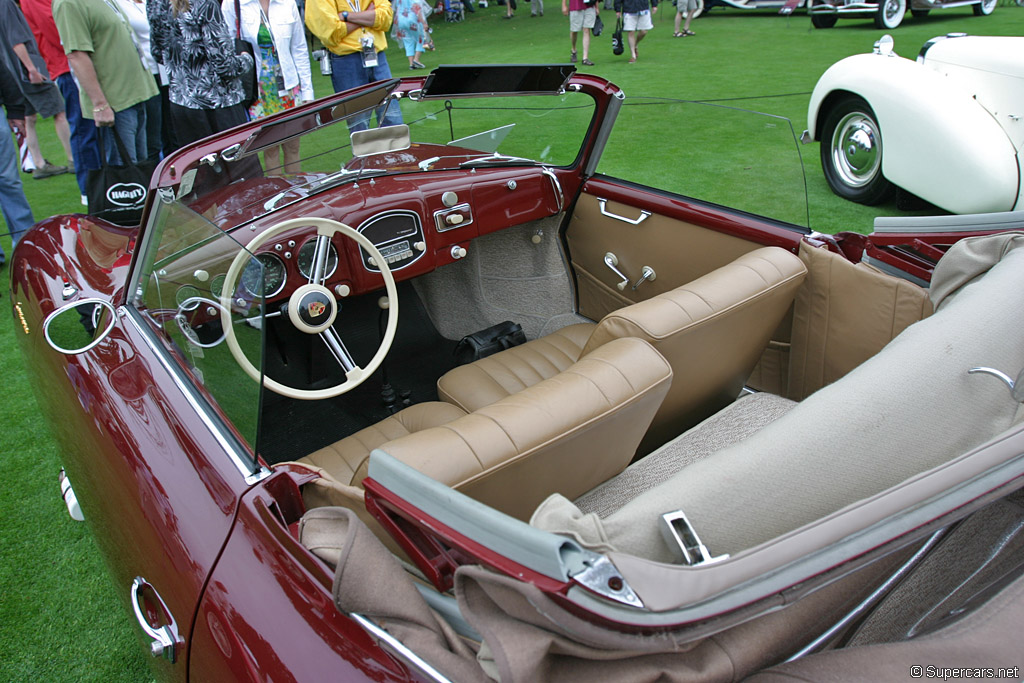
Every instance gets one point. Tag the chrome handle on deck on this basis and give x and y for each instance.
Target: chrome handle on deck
(611, 260)
(1016, 387)
(632, 221)
(165, 640)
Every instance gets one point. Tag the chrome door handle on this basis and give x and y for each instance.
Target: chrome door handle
(165, 639)
(632, 221)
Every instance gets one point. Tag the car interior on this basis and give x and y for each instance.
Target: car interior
(725, 405)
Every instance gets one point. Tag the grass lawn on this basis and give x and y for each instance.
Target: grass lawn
(61, 619)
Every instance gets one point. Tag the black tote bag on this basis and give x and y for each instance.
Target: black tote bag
(249, 84)
(118, 193)
(617, 47)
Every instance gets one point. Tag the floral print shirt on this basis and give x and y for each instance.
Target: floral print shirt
(197, 48)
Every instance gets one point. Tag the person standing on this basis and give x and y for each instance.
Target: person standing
(688, 7)
(191, 40)
(353, 32)
(41, 95)
(582, 15)
(412, 30)
(277, 35)
(636, 21)
(135, 11)
(85, 149)
(13, 204)
(113, 82)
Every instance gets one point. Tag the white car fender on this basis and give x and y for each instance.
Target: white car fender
(937, 141)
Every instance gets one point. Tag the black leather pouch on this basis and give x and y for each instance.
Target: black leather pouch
(488, 342)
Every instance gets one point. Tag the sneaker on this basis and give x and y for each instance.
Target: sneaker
(48, 170)
(417, 65)
(572, 57)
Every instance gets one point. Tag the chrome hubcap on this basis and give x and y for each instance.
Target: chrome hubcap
(856, 150)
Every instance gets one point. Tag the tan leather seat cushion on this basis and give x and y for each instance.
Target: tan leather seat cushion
(346, 460)
(712, 330)
(491, 379)
(567, 433)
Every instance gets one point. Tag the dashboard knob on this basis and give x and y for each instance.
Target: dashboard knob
(342, 290)
(384, 302)
(458, 252)
(449, 199)
(371, 261)
(420, 246)
(454, 218)
(201, 275)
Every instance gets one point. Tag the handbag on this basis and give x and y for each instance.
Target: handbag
(250, 85)
(598, 26)
(617, 47)
(118, 193)
(489, 342)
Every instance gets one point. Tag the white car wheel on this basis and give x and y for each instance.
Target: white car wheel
(890, 13)
(984, 8)
(851, 152)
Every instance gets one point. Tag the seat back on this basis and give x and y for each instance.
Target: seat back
(567, 433)
(712, 331)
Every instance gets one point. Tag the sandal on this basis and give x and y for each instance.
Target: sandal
(587, 62)
(678, 34)
(688, 32)
(572, 57)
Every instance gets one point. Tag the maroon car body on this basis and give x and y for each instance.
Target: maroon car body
(197, 526)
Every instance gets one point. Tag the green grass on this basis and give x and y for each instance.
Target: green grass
(61, 619)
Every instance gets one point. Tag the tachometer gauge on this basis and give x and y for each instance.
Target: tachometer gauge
(274, 276)
(217, 285)
(184, 293)
(305, 260)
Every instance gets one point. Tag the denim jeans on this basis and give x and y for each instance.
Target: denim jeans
(348, 72)
(130, 124)
(16, 211)
(154, 127)
(84, 147)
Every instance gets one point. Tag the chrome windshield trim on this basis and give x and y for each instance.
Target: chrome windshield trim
(228, 441)
(399, 648)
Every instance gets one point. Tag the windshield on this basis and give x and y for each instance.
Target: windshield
(435, 134)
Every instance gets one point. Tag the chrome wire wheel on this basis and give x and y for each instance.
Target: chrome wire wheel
(890, 13)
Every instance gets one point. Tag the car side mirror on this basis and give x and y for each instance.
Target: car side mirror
(78, 326)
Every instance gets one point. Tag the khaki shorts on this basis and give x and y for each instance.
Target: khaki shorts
(583, 18)
(637, 22)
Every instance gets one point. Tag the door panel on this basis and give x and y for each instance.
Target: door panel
(680, 241)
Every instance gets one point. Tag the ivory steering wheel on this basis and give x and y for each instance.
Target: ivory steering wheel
(312, 308)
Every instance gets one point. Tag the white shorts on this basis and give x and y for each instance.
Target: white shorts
(637, 22)
(584, 18)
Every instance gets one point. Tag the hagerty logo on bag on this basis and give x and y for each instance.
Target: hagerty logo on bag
(126, 194)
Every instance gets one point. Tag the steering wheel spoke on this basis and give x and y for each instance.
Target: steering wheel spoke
(337, 348)
(318, 274)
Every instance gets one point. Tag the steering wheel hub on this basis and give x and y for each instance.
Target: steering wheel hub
(312, 309)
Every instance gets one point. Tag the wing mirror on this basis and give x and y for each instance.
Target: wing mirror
(78, 326)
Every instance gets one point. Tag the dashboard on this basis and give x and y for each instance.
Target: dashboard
(416, 222)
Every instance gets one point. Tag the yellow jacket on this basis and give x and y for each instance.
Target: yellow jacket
(324, 21)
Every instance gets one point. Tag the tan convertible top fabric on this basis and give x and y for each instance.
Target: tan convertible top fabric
(908, 409)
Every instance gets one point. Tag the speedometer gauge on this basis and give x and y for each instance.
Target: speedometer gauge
(274, 276)
(305, 259)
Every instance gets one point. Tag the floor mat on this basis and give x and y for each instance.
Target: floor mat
(293, 428)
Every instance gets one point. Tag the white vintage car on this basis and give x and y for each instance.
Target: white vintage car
(888, 14)
(946, 127)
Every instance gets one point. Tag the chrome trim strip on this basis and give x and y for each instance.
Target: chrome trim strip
(556, 186)
(876, 596)
(228, 441)
(399, 648)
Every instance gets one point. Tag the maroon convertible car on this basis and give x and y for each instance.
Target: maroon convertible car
(506, 393)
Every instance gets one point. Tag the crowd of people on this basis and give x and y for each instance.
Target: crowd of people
(160, 74)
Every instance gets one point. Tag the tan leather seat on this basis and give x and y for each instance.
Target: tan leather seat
(567, 433)
(712, 331)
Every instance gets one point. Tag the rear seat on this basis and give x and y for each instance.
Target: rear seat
(908, 409)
